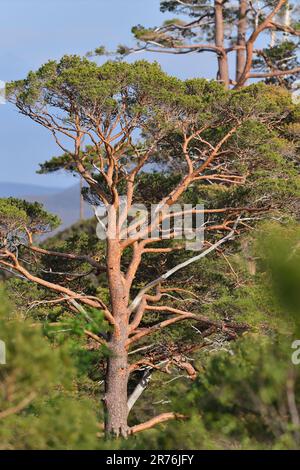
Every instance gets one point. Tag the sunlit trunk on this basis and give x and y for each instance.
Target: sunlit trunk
(115, 399)
(116, 388)
(223, 72)
(241, 40)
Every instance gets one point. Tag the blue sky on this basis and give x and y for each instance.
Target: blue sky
(34, 31)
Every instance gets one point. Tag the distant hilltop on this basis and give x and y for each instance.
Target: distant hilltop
(8, 189)
(62, 202)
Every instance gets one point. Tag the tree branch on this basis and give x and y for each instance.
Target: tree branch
(16, 409)
(162, 418)
(135, 303)
(70, 256)
(275, 73)
(250, 43)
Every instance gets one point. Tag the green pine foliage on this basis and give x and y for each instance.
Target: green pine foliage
(40, 407)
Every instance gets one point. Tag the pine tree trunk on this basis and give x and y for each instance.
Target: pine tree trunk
(116, 389)
(223, 72)
(241, 40)
(115, 399)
